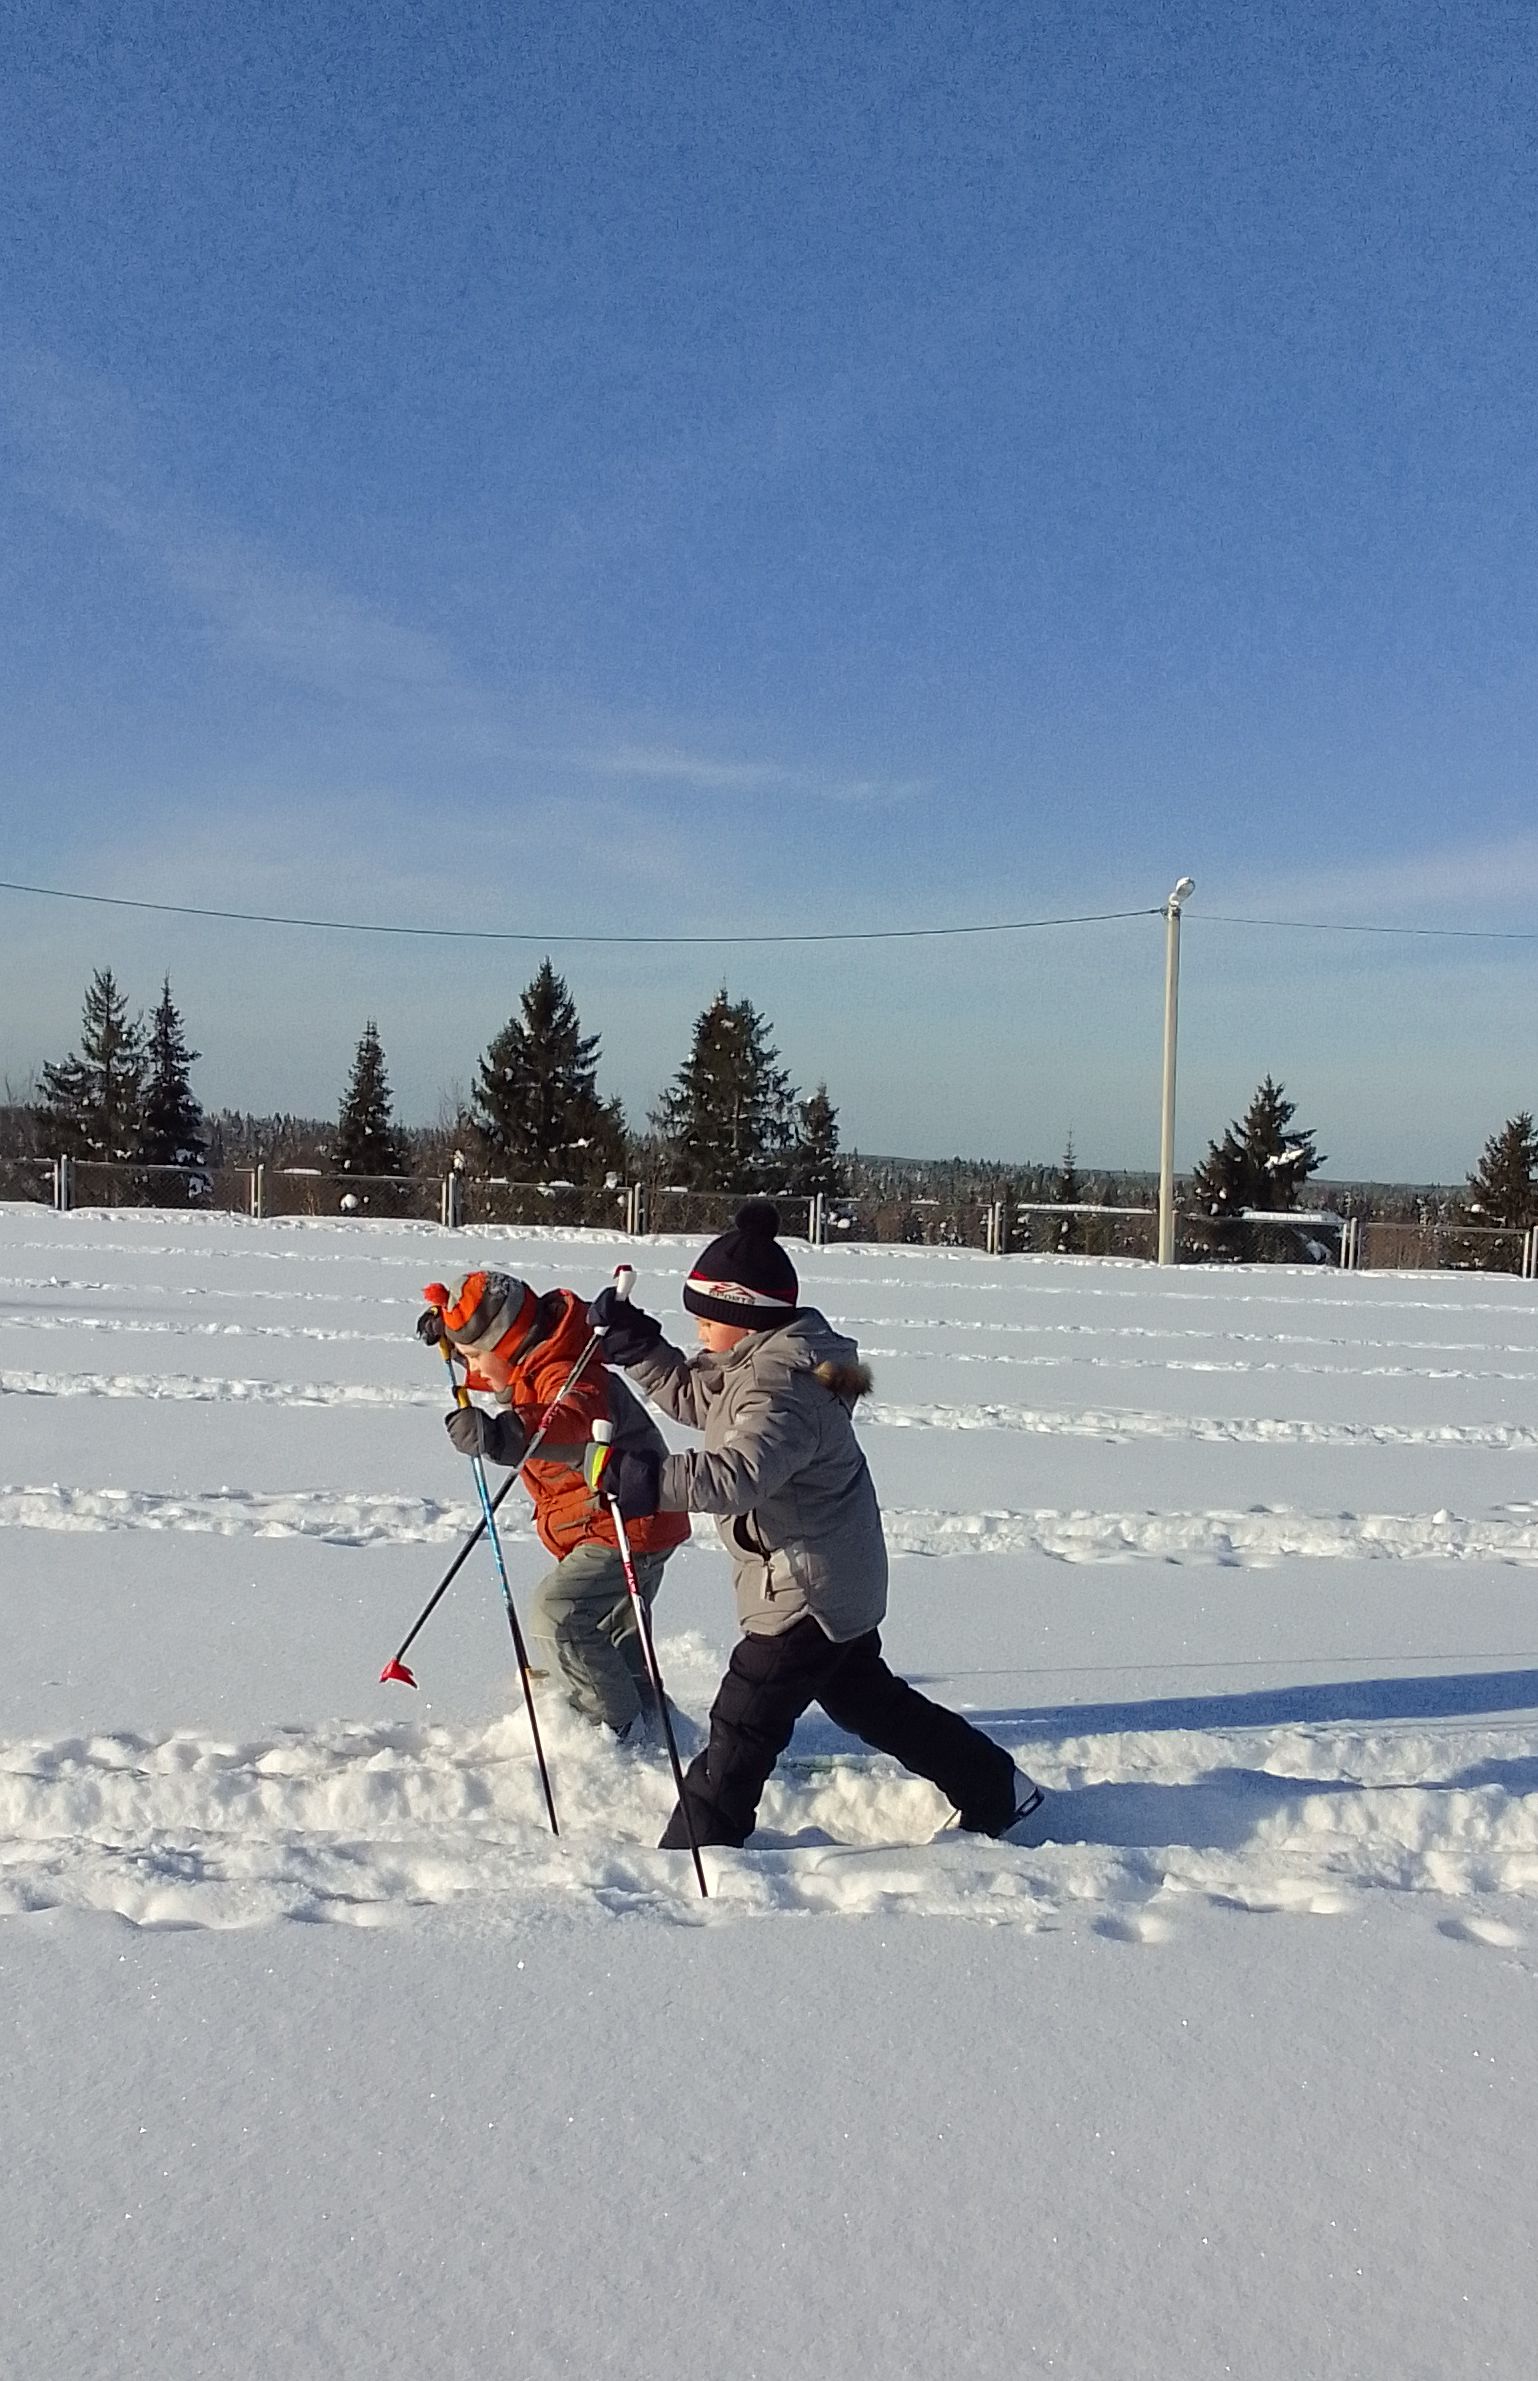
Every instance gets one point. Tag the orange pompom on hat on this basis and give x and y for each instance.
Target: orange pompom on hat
(487, 1315)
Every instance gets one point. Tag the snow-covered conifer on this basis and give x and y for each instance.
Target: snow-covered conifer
(93, 1101)
(536, 1107)
(173, 1133)
(727, 1120)
(366, 1139)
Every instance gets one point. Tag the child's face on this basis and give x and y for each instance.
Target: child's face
(719, 1339)
(491, 1372)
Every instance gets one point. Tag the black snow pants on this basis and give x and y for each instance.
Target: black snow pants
(768, 1684)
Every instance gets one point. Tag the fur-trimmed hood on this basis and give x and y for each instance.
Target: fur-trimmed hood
(807, 1343)
(851, 1382)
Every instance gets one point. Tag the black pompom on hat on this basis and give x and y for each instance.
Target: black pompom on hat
(745, 1277)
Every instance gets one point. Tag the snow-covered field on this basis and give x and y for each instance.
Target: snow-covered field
(324, 2059)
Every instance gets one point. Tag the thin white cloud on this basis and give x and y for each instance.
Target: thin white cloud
(81, 454)
(1457, 885)
(673, 765)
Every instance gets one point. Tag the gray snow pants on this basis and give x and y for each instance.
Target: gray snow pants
(582, 1616)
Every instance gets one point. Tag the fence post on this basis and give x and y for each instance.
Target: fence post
(635, 1209)
(1530, 1254)
(816, 1230)
(63, 1186)
(994, 1235)
(258, 1192)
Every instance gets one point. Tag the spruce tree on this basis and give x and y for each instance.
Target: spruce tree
(1503, 1188)
(1262, 1162)
(536, 1106)
(93, 1101)
(1067, 1190)
(815, 1165)
(366, 1139)
(173, 1121)
(727, 1119)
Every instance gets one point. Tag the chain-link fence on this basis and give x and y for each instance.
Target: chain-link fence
(1442, 1245)
(99, 1182)
(27, 1178)
(305, 1190)
(488, 1199)
(1042, 1228)
(918, 1222)
(700, 1215)
(1433, 1242)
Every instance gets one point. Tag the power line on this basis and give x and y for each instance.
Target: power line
(1210, 917)
(251, 917)
(1098, 917)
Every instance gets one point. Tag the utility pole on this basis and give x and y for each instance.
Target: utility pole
(1172, 909)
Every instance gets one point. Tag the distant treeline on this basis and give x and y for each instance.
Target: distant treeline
(730, 1119)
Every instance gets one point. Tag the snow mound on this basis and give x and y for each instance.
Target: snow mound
(367, 1823)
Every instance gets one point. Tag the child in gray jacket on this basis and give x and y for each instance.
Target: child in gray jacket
(773, 1390)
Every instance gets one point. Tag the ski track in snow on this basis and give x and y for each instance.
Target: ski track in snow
(1106, 1278)
(163, 1327)
(1095, 1422)
(1262, 1534)
(365, 1823)
(855, 1322)
(215, 1389)
(26, 1319)
(1120, 1422)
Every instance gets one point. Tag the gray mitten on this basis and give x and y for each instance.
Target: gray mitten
(496, 1437)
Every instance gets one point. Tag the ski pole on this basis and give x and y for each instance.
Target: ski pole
(603, 1436)
(462, 1398)
(395, 1670)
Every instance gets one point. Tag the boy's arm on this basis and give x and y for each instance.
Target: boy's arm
(667, 1376)
(771, 1441)
(571, 1422)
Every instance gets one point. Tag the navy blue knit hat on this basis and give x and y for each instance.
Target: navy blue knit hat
(745, 1277)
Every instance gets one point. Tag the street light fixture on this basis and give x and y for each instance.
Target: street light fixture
(1172, 909)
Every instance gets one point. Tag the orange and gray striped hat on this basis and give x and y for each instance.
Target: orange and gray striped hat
(487, 1314)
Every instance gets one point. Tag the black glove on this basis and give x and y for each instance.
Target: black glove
(627, 1332)
(631, 1480)
(495, 1437)
(430, 1325)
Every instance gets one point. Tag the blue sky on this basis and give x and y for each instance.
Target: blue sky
(595, 468)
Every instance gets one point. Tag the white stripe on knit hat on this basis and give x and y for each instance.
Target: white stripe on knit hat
(734, 1293)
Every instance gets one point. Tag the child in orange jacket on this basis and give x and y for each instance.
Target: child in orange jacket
(521, 1347)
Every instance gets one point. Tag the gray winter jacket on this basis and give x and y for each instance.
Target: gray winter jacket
(782, 1471)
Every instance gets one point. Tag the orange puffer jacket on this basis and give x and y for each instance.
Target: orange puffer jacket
(566, 1513)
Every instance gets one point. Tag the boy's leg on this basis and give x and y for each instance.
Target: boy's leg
(971, 1771)
(582, 1614)
(768, 1684)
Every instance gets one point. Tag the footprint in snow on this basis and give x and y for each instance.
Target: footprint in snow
(1493, 1933)
(1133, 1926)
